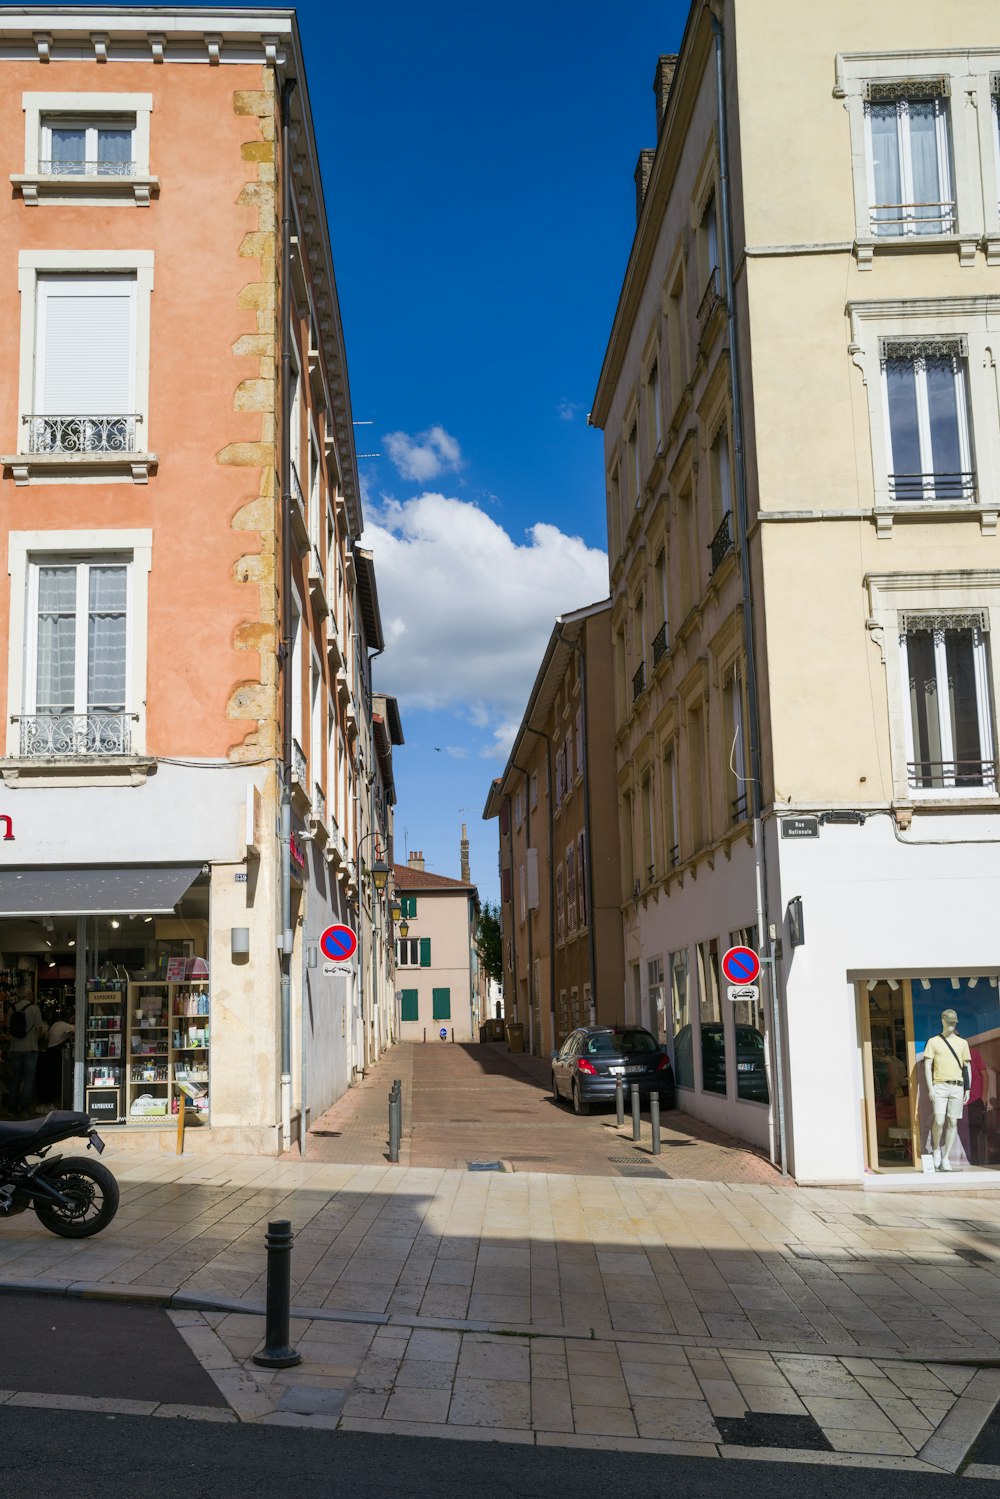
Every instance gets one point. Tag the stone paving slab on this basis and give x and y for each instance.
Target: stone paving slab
(595, 1393)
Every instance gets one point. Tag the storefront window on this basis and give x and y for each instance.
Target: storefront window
(713, 1032)
(975, 1004)
(124, 998)
(748, 1033)
(680, 1007)
(657, 1018)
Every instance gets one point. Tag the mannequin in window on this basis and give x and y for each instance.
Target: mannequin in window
(948, 1073)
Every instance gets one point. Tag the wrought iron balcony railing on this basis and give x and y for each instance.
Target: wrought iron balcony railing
(86, 168)
(960, 485)
(660, 643)
(738, 807)
(319, 804)
(722, 541)
(81, 434)
(948, 775)
(639, 681)
(53, 734)
(710, 301)
(300, 774)
(674, 855)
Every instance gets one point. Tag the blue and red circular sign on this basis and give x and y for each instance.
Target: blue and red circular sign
(741, 965)
(339, 943)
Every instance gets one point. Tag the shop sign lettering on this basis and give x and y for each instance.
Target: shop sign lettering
(7, 824)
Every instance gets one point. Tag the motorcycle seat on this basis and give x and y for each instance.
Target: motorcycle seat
(54, 1125)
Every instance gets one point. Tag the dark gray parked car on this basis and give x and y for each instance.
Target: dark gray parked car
(587, 1064)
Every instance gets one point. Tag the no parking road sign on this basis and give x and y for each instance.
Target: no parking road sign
(741, 965)
(339, 944)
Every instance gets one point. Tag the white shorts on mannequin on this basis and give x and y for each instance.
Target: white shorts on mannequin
(947, 1101)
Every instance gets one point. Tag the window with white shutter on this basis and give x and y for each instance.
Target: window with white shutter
(85, 365)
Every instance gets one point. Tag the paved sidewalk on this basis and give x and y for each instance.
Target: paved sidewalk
(577, 1309)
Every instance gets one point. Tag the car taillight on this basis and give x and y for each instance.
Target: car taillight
(584, 1066)
(663, 1065)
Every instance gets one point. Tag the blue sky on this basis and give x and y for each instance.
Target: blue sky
(478, 167)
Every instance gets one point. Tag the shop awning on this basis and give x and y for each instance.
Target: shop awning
(95, 892)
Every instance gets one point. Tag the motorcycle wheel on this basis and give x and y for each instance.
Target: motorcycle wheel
(93, 1199)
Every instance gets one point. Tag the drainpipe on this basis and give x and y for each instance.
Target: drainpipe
(376, 898)
(513, 917)
(285, 654)
(589, 863)
(779, 1148)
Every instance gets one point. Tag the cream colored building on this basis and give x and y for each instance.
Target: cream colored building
(805, 571)
(439, 986)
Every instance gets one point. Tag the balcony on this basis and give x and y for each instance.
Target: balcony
(317, 584)
(63, 444)
(334, 649)
(336, 851)
(98, 181)
(300, 526)
(711, 300)
(674, 855)
(56, 735)
(301, 797)
(898, 220)
(722, 542)
(952, 775)
(317, 817)
(959, 486)
(660, 644)
(639, 682)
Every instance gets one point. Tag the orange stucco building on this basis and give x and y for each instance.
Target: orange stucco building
(186, 616)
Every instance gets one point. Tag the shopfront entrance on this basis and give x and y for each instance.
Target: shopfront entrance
(905, 1111)
(120, 1000)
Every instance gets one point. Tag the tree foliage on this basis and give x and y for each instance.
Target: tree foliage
(489, 941)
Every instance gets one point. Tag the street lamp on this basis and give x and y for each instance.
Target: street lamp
(404, 928)
(380, 875)
(396, 910)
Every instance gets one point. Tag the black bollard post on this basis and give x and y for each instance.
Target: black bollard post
(620, 1099)
(654, 1119)
(395, 1119)
(636, 1115)
(277, 1352)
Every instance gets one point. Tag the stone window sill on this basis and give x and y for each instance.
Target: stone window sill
(885, 515)
(77, 770)
(134, 192)
(23, 467)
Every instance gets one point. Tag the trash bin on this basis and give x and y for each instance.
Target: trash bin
(515, 1037)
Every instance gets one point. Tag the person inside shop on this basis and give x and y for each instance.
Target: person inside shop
(948, 1072)
(27, 1032)
(48, 1084)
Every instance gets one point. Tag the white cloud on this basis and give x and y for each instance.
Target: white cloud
(567, 410)
(424, 456)
(467, 610)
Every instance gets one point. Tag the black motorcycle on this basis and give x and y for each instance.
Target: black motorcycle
(73, 1196)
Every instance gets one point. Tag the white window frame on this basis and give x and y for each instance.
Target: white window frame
(28, 549)
(90, 108)
(81, 566)
(892, 598)
(967, 73)
(413, 945)
(983, 709)
(876, 325)
(909, 227)
(78, 263)
(926, 349)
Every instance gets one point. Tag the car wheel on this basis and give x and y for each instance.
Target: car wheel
(580, 1105)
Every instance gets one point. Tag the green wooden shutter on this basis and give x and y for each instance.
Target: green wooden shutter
(425, 952)
(409, 1008)
(408, 904)
(442, 1004)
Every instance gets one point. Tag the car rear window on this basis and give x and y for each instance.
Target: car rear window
(620, 1043)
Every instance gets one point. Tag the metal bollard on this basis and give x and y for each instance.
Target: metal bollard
(277, 1352)
(395, 1119)
(654, 1119)
(620, 1099)
(636, 1113)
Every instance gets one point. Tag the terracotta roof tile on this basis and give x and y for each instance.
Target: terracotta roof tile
(422, 879)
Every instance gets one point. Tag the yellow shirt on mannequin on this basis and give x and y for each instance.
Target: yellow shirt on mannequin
(946, 1069)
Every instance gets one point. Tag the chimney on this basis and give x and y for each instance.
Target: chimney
(416, 861)
(665, 68)
(466, 871)
(642, 170)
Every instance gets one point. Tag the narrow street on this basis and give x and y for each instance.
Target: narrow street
(481, 1103)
